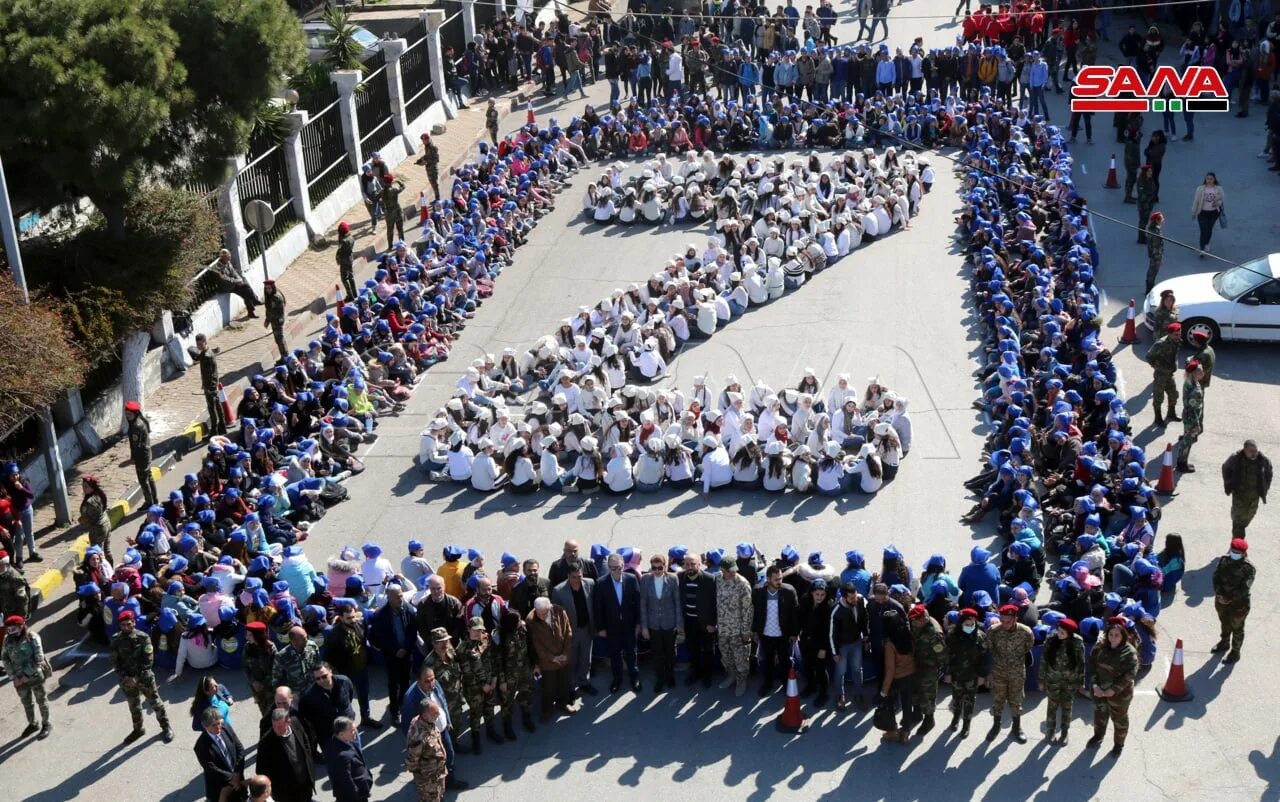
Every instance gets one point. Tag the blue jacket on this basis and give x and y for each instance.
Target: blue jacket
(413, 698)
(974, 578)
(382, 632)
(749, 75)
(348, 773)
(885, 72)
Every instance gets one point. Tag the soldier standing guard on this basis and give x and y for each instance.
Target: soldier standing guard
(431, 160)
(140, 449)
(259, 660)
(1061, 675)
(425, 756)
(930, 652)
(444, 661)
(1163, 359)
(205, 357)
(733, 625)
(134, 663)
(1155, 248)
(481, 672)
(1205, 356)
(517, 673)
(1232, 579)
(1009, 643)
(1146, 200)
(347, 262)
(1192, 414)
(24, 660)
(966, 661)
(491, 120)
(274, 300)
(1114, 665)
(391, 207)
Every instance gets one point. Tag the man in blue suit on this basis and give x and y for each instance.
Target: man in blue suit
(348, 773)
(617, 602)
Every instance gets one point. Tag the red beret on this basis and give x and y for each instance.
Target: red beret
(127, 615)
(1068, 625)
(15, 621)
(968, 612)
(1118, 621)
(344, 227)
(917, 611)
(256, 626)
(1239, 544)
(132, 406)
(1199, 335)
(1175, 327)
(1009, 609)
(391, 176)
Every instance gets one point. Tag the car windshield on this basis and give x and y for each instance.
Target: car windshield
(1236, 281)
(365, 38)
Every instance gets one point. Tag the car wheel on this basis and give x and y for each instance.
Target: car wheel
(1200, 325)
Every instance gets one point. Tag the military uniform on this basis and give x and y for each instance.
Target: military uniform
(209, 386)
(1161, 317)
(1155, 253)
(1009, 650)
(491, 122)
(733, 625)
(449, 676)
(140, 454)
(1146, 202)
(1206, 357)
(1248, 482)
(479, 664)
(930, 652)
(1163, 359)
(275, 304)
(293, 668)
(1192, 420)
(966, 663)
(133, 659)
(259, 664)
(1112, 670)
(1232, 580)
(392, 209)
(425, 760)
(346, 257)
(431, 160)
(15, 592)
(24, 657)
(517, 671)
(1062, 677)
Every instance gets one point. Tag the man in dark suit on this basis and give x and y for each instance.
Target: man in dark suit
(775, 625)
(560, 568)
(348, 773)
(221, 755)
(617, 601)
(329, 697)
(393, 631)
(661, 618)
(284, 755)
(698, 598)
(576, 594)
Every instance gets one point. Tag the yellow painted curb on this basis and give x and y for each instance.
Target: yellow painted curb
(195, 431)
(48, 582)
(118, 512)
(80, 545)
(156, 473)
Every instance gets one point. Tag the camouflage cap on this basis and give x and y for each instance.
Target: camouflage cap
(476, 624)
(438, 634)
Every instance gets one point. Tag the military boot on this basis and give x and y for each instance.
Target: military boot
(492, 731)
(1160, 424)
(509, 730)
(32, 729)
(1221, 646)
(964, 730)
(475, 743)
(1065, 727)
(1172, 415)
(995, 728)
(926, 726)
(1017, 733)
(1096, 740)
(1050, 728)
(955, 721)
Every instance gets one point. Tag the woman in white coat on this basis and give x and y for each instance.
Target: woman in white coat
(776, 469)
(519, 466)
(460, 458)
(486, 473)
(649, 468)
(833, 475)
(618, 475)
(888, 449)
(677, 463)
(588, 469)
(803, 470)
(868, 470)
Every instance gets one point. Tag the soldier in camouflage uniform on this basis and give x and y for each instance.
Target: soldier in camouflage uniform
(1146, 190)
(1163, 359)
(140, 449)
(430, 159)
(481, 674)
(391, 207)
(1164, 314)
(294, 664)
(425, 756)
(1232, 580)
(346, 257)
(274, 301)
(259, 661)
(1114, 665)
(929, 649)
(733, 625)
(23, 659)
(1246, 477)
(444, 661)
(966, 662)
(1155, 249)
(134, 663)
(517, 673)
(1192, 414)
(1061, 675)
(15, 592)
(205, 357)
(1009, 643)
(1205, 356)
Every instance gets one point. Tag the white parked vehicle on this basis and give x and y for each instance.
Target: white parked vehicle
(1239, 303)
(320, 36)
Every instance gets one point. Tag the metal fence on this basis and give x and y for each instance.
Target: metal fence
(315, 101)
(324, 153)
(266, 178)
(373, 113)
(415, 77)
(452, 33)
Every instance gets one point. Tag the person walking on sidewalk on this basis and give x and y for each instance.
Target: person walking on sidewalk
(430, 159)
(490, 122)
(233, 281)
(1232, 582)
(140, 449)
(392, 208)
(1246, 477)
(346, 258)
(24, 660)
(274, 301)
(206, 358)
(22, 496)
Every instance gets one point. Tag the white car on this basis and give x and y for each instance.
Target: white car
(320, 36)
(1239, 303)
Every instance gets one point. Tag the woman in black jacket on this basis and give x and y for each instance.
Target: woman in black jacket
(815, 641)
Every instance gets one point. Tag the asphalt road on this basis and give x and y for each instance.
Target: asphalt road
(895, 309)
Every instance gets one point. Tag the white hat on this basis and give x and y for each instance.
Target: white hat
(576, 419)
(439, 423)
(671, 441)
(454, 404)
(538, 409)
(484, 443)
(456, 438)
(508, 352)
(711, 441)
(832, 449)
(620, 416)
(698, 381)
(473, 374)
(882, 429)
(801, 451)
(588, 444)
(622, 449)
(548, 442)
(866, 450)
(773, 448)
(516, 443)
(677, 304)
(559, 400)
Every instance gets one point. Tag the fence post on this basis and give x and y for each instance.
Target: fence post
(392, 50)
(346, 81)
(234, 234)
(433, 19)
(468, 23)
(296, 169)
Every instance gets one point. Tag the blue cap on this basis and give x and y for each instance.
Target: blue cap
(815, 559)
(509, 559)
(195, 620)
(474, 554)
(321, 581)
(452, 553)
(372, 551)
(599, 551)
(88, 589)
(981, 598)
(745, 550)
(415, 545)
(715, 557)
(789, 555)
(891, 552)
(979, 555)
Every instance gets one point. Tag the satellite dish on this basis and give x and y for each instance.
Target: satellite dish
(259, 215)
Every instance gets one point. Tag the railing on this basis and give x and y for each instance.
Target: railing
(373, 113)
(266, 178)
(324, 153)
(415, 76)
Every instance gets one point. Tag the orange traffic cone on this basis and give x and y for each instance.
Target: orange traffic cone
(226, 405)
(1175, 687)
(792, 720)
(1130, 334)
(1112, 183)
(1164, 485)
(338, 297)
(529, 118)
